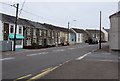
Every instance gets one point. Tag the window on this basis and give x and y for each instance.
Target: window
(52, 34)
(28, 41)
(20, 30)
(40, 32)
(40, 41)
(34, 40)
(44, 33)
(48, 33)
(34, 32)
(18, 42)
(11, 28)
(28, 31)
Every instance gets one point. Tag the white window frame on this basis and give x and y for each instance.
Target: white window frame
(13, 28)
(40, 32)
(28, 31)
(21, 30)
(34, 32)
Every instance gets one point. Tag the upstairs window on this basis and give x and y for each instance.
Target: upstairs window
(28, 31)
(11, 28)
(34, 32)
(40, 32)
(20, 30)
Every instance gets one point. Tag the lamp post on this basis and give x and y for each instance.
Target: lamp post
(100, 31)
(69, 32)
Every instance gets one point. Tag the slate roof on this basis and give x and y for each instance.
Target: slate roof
(107, 30)
(92, 31)
(117, 13)
(56, 28)
(21, 21)
(79, 30)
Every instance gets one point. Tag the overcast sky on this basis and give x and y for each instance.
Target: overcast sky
(82, 15)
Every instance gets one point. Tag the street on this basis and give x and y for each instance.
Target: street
(32, 62)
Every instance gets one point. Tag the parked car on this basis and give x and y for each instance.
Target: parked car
(92, 41)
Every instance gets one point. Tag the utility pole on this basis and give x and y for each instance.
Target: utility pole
(68, 32)
(16, 26)
(100, 31)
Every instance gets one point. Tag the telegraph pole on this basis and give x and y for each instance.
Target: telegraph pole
(16, 26)
(68, 31)
(100, 31)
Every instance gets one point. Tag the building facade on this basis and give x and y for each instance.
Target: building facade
(114, 37)
(8, 26)
(81, 35)
(106, 34)
(92, 33)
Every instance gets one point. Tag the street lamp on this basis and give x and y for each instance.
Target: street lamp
(69, 31)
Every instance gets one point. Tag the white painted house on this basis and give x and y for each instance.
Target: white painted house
(80, 35)
(8, 26)
(106, 34)
(115, 31)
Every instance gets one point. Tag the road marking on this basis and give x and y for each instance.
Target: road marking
(46, 69)
(23, 77)
(42, 74)
(83, 56)
(31, 55)
(59, 50)
(71, 48)
(106, 60)
(37, 54)
(10, 58)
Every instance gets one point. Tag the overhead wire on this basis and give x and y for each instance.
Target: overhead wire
(21, 8)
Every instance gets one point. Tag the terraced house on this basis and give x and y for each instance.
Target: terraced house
(35, 35)
(59, 35)
(8, 31)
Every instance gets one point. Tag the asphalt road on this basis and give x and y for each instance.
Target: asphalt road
(33, 62)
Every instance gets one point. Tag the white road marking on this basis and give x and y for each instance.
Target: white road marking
(37, 54)
(71, 48)
(10, 58)
(59, 50)
(83, 56)
(106, 60)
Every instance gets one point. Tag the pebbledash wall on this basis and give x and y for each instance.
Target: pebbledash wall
(115, 31)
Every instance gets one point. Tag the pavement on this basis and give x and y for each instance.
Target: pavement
(100, 65)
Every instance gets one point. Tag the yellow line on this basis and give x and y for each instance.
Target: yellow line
(41, 74)
(46, 69)
(23, 77)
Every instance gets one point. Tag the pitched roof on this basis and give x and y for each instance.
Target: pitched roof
(56, 28)
(92, 31)
(106, 30)
(117, 13)
(78, 30)
(21, 21)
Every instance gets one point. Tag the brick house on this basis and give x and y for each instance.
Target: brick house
(92, 33)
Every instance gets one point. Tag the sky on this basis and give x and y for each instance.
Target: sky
(81, 14)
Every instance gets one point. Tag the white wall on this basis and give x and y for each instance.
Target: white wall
(105, 34)
(114, 33)
(79, 37)
(1, 31)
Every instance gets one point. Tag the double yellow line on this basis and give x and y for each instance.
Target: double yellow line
(43, 72)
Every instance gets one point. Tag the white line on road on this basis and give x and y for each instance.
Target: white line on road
(10, 58)
(71, 48)
(83, 56)
(59, 50)
(106, 60)
(37, 54)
